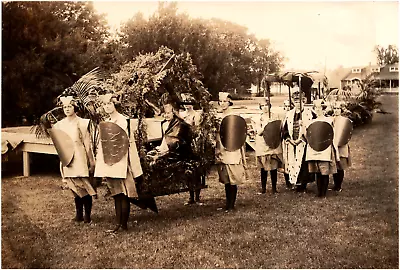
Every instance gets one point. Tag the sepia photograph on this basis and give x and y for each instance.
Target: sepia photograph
(200, 135)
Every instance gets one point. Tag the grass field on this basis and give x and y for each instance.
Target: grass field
(356, 228)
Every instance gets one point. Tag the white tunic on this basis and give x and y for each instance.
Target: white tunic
(77, 129)
(325, 155)
(261, 147)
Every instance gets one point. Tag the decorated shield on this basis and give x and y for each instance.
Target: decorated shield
(343, 130)
(114, 142)
(63, 144)
(233, 132)
(319, 135)
(272, 134)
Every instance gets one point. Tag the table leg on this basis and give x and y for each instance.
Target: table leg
(26, 164)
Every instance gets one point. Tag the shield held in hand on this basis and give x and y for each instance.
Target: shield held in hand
(343, 130)
(114, 141)
(272, 134)
(319, 135)
(63, 144)
(233, 132)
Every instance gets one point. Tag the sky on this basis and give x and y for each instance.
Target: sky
(311, 35)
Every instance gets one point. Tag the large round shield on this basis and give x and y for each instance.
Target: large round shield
(272, 134)
(343, 130)
(114, 141)
(233, 132)
(63, 144)
(319, 135)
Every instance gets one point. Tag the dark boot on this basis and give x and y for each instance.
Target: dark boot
(87, 203)
(325, 183)
(191, 197)
(319, 189)
(338, 180)
(228, 195)
(233, 198)
(287, 181)
(197, 192)
(125, 210)
(274, 179)
(118, 211)
(79, 209)
(264, 176)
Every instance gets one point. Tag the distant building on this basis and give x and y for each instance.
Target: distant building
(388, 77)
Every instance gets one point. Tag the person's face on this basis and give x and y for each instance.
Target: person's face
(337, 110)
(188, 107)
(318, 110)
(109, 107)
(265, 108)
(69, 110)
(224, 103)
(286, 106)
(168, 112)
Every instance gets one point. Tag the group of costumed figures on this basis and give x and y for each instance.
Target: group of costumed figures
(305, 143)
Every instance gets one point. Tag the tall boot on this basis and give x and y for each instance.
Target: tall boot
(125, 210)
(118, 211)
(319, 184)
(325, 183)
(287, 181)
(264, 177)
(197, 192)
(87, 203)
(274, 179)
(79, 209)
(338, 180)
(234, 194)
(228, 195)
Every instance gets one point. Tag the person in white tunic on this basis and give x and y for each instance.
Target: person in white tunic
(286, 107)
(230, 165)
(268, 159)
(119, 176)
(76, 174)
(321, 163)
(343, 157)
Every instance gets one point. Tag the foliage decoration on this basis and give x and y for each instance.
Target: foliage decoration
(143, 81)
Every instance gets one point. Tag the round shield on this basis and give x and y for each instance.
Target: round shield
(319, 135)
(233, 132)
(343, 130)
(63, 144)
(272, 134)
(114, 141)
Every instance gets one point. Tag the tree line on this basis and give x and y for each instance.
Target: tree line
(47, 46)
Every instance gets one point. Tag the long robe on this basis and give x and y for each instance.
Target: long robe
(294, 155)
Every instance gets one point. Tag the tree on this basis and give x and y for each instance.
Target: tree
(385, 56)
(46, 47)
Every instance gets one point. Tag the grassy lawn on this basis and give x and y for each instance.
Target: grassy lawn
(357, 228)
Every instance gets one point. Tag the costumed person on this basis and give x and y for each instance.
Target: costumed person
(286, 107)
(268, 145)
(294, 132)
(231, 161)
(343, 127)
(192, 118)
(72, 140)
(176, 134)
(320, 152)
(117, 160)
